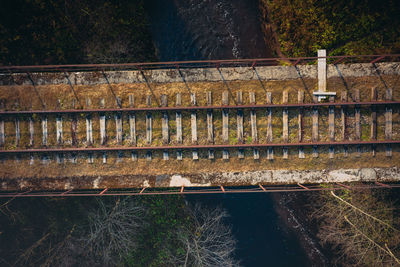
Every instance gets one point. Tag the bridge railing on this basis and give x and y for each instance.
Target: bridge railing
(199, 190)
(203, 64)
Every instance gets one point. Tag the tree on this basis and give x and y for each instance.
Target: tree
(360, 226)
(206, 242)
(107, 238)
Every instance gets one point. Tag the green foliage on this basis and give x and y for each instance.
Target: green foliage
(340, 26)
(165, 214)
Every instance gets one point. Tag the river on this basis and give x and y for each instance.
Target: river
(268, 228)
(204, 29)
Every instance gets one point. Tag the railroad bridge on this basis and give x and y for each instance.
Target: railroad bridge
(186, 125)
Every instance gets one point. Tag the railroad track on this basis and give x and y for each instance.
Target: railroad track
(234, 127)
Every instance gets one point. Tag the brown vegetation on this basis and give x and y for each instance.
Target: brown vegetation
(361, 226)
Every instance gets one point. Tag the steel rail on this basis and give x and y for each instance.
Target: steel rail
(174, 64)
(182, 147)
(259, 106)
(187, 191)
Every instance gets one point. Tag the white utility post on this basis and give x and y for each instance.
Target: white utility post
(322, 75)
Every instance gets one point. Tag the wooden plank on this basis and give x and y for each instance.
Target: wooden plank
(388, 116)
(210, 125)
(315, 133)
(343, 112)
(225, 118)
(209, 98)
(102, 118)
(118, 127)
(2, 133)
(315, 126)
(285, 124)
(60, 158)
(17, 132)
(301, 153)
(165, 155)
(73, 158)
(269, 118)
(59, 129)
(270, 150)
(373, 133)
(134, 156)
(45, 159)
(89, 124)
(358, 151)
(193, 119)
(388, 122)
(59, 125)
(357, 115)
(239, 118)
(331, 152)
(285, 118)
(178, 120)
(90, 157)
(285, 152)
(270, 153)
(225, 154)
(193, 100)
(388, 150)
(331, 127)
(120, 154)
(149, 124)
(195, 154)
(164, 120)
(300, 100)
(149, 155)
(18, 158)
(315, 152)
(74, 126)
(179, 155)
(374, 96)
(17, 125)
(118, 123)
(253, 118)
(44, 131)
(256, 154)
(31, 131)
(148, 100)
(241, 153)
(211, 154)
(132, 121)
(331, 120)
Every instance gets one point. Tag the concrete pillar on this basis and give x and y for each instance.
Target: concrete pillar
(322, 70)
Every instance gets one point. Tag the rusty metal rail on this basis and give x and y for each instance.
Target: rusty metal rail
(198, 190)
(183, 147)
(198, 64)
(180, 108)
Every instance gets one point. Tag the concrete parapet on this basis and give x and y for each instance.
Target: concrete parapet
(204, 74)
